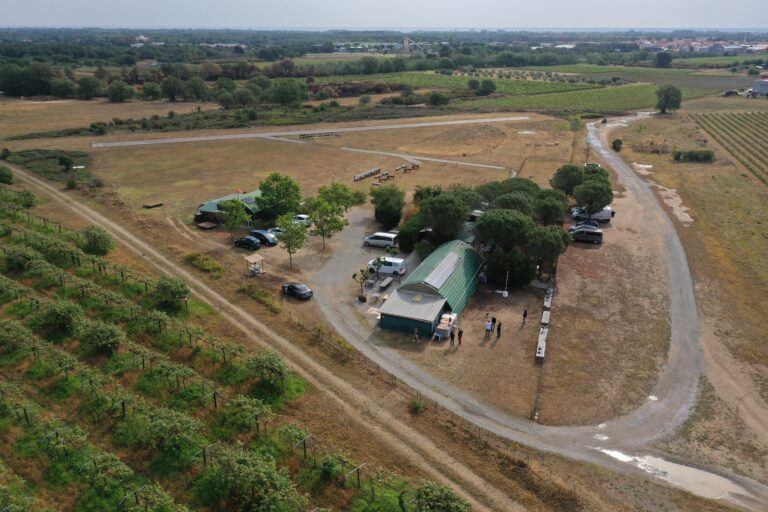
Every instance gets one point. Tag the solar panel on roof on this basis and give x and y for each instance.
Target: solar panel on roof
(440, 274)
(248, 200)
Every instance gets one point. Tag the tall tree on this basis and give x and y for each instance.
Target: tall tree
(663, 60)
(293, 235)
(669, 98)
(88, 87)
(594, 193)
(508, 228)
(338, 194)
(119, 91)
(279, 195)
(388, 202)
(233, 214)
(327, 218)
(567, 177)
(172, 88)
(445, 214)
(546, 245)
(288, 92)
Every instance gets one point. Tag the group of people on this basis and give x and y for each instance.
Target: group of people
(492, 325)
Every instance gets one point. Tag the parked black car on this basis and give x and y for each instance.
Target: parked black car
(248, 242)
(298, 290)
(588, 234)
(265, 237)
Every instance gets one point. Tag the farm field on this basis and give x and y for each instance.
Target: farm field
(419, 80)
(682, 78)
(743, 135)
(154, 399)
(20, 116)
(726, 249)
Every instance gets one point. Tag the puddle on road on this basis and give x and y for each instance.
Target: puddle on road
(675, 203)
(642, 169)
(696, 481)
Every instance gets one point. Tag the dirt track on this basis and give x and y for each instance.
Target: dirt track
(412, 445)
(288, 133)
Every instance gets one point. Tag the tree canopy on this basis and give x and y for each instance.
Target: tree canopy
(669, 98)
(508, 228)
(594, 193)
(546, 244)
(388, 202)
(445, 214)
(567, 177)
(293, 235)
(327, 218)
(279, 195)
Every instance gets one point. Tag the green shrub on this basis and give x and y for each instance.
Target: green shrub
(694, 155)
(18, 259)
(204, 263)
(96, 241)
(424, 248)
(26, 198)
(262, 296)
(100, 336)
(408, 235)
(59, 317)
(416, 407)
(169, 293)
(6, 175)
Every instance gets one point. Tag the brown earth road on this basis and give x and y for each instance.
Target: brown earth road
(409, 443)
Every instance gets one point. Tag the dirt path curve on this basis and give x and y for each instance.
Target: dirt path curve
(288, 133)
(674, 392)
(418, 159)
(410, 444)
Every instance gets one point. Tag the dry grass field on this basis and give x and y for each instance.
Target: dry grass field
(727, 247)
(21, 116)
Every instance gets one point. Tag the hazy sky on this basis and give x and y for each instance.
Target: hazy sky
(386, 13)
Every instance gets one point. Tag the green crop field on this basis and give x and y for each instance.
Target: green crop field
(113, 397)
(438, 81)
(743, 135)
(609, 99)
(683, 78)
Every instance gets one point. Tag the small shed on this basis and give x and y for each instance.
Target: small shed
(445, 281)
(211, 212)
(255, 264)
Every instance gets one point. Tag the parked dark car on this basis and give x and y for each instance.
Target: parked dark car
(265, 237)
(588, 234)
(587, 224)
(298, 290)
(248, 242)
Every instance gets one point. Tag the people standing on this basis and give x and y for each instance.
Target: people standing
(498, 330)
(525, 315)
(488, 329)
(493, 323)
(461, 334)
(452, 336)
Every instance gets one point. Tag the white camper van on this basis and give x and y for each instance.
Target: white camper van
(604, 215)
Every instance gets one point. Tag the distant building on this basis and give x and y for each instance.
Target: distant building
(445, 281)
(211, 212)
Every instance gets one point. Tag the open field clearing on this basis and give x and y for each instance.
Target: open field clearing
(726, 248)
(20, 116)
(719, 104)
(743, 135)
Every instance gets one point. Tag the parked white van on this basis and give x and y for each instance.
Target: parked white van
(604, 215)
(389, 266)
(381, 239)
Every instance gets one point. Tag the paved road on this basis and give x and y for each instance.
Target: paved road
(675, 389)
(288, 133)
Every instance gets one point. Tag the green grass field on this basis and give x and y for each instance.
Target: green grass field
(683, 78)
(608, 99)
(434, 80)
